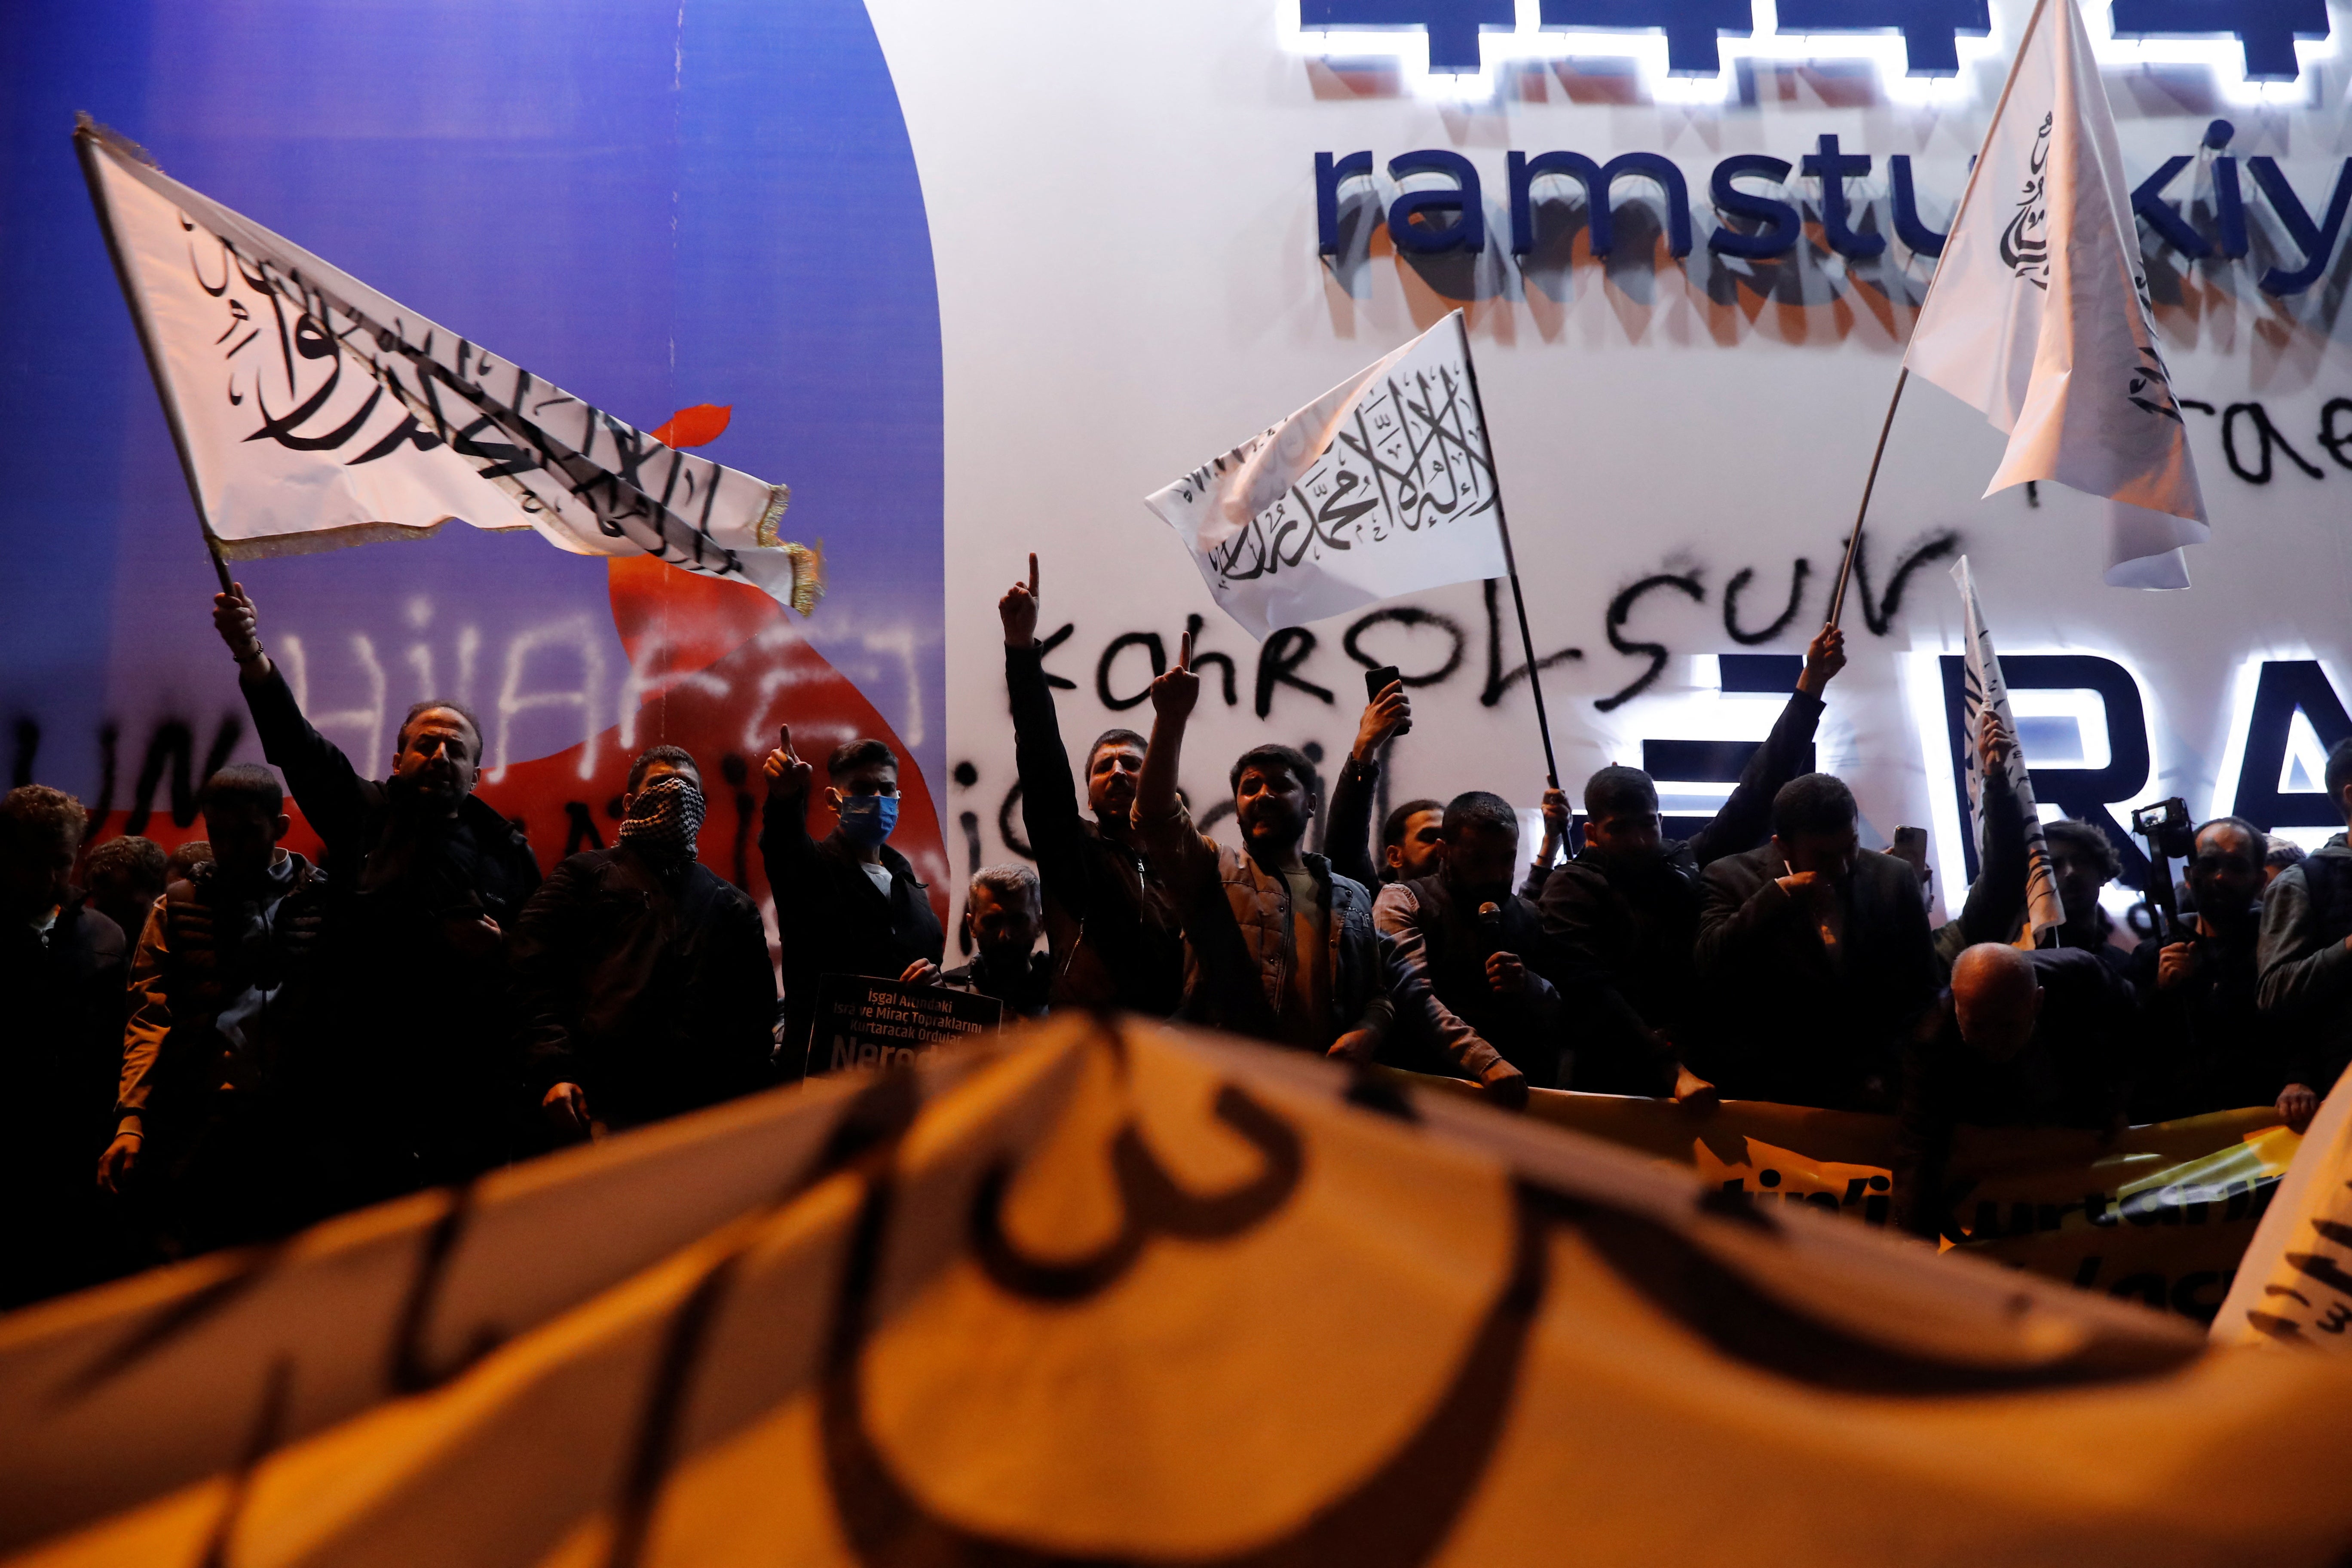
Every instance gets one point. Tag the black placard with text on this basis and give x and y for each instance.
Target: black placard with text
(865, 1022)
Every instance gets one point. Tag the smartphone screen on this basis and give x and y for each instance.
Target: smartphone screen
(1378, 680)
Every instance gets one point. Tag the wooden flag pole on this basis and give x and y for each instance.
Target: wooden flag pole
(1854, 545)
(1511, 563)
(87, 135)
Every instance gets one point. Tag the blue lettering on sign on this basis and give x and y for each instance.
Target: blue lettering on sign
(2266, 29)
(1453, 26)
(1691, 26)
(1930, 29)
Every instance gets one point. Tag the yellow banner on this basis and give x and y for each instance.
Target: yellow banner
(2160, 1215)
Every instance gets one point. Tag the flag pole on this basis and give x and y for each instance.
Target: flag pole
(1510, 560)
(1854, 545)
(87, 135)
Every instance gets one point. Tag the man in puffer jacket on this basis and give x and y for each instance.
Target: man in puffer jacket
(220, 984)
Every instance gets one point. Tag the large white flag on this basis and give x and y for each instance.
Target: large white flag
(2039, 314)
(1986, 691)
(311, 411)
(1382, 486)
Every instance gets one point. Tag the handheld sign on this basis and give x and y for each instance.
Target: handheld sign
(862, 1022)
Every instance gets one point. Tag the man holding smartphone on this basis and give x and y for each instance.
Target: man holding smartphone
(1348, 831)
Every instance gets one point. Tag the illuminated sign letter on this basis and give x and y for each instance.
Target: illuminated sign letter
(2288, 687)
(1597, 180)
(1783, 226)
(1469, 231)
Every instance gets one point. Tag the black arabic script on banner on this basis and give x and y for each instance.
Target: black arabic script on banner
(1411, 457)
(423, 395)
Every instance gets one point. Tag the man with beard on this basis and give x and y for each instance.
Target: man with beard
(1813, 957)
(226, 963)
(1413, 841)
(1280, 947)
(847, 903)
(404, 1076)
(1620, 918)
(1467, 1003)
(1004, 914)
(643, 974)
(1114, 938)
(2213, 1049)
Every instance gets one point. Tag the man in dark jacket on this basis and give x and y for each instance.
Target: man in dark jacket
(644, 976)
(406, 1077)
(2304, 954)
(1279, 946)
(61, 1004)
(1114, 940)
(847, 904)
(1814, 958)
(1620, 918)
(223, 975)
(1467, 1003)
(2023, 1038)
(2214, 1049)
(1004, 913)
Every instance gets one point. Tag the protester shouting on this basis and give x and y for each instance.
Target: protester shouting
(1114, 938)
(1281, 947)
(224, 976)
(1621, 918)
(407, 1079)
(645, 975)
(847, 903)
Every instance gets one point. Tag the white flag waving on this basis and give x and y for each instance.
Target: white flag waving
(312, 412)
(1382, 486)
(1987, 692)
(2039, 313)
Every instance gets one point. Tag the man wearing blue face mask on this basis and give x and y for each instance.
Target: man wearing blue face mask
(848, 904)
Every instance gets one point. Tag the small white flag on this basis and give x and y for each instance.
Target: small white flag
(1986, 692)
(2039, 313)
(312, 412)
(2294, 1286)
(1382, 486)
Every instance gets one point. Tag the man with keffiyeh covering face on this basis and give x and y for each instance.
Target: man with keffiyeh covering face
(644, 977)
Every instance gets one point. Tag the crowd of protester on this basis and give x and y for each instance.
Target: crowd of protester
(222, 1045)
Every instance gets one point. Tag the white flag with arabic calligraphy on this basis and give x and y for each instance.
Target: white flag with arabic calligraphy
(1382, 486)
(2038, 315)
(312, 412)
(1985, 692)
